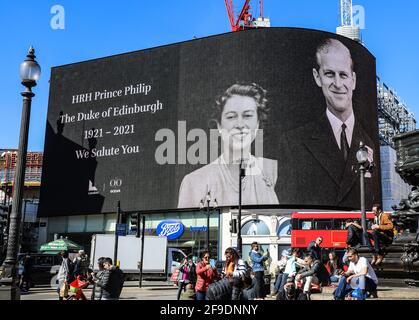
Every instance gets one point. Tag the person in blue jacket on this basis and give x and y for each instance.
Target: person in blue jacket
(258, 269)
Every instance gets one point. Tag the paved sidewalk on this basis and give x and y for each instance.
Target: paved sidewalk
(164, 291)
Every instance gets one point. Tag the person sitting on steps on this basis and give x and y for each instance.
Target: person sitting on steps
(383, 233)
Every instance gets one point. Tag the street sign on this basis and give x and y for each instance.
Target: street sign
(121, 229)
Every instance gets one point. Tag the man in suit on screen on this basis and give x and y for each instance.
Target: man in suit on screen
(319, 158)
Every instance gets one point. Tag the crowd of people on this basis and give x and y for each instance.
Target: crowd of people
(107, 282)
(297, 276)
(238, 279)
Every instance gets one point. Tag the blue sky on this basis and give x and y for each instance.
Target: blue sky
(100, 28)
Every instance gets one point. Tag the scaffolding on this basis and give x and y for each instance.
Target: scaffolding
(394, 116)
(8, 161)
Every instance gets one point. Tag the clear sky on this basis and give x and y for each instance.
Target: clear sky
(96, 28)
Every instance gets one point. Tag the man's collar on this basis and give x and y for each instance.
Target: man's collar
(336, 125)
(350, 122)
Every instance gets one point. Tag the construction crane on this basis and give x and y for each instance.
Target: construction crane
(244, 18)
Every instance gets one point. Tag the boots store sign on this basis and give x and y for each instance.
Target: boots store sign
(170, 229)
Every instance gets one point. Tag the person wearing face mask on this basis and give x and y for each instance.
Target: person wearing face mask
(240, 114)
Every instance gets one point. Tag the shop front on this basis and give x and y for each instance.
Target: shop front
(186, 230)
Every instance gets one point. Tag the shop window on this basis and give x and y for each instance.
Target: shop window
(247, 248)
(255, 228)
(284, 249)
(284, 228)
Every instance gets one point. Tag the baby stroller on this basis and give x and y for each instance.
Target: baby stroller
(76, 287)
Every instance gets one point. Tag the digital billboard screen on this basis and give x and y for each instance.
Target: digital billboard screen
(159, 129)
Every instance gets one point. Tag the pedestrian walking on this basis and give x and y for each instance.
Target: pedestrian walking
(187, 275)
(95, 277)
(111, 282)
(65, 276)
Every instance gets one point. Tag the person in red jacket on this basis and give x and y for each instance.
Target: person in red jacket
(205, 276)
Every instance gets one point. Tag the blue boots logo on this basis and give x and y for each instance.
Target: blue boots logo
(170, 229)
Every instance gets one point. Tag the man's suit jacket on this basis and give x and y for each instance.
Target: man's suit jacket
(312, 170)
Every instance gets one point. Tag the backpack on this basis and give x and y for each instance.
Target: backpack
(220, 290)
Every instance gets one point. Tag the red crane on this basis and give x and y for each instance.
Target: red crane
(244, 19)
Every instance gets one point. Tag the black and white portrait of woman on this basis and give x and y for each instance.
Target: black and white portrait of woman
(240, 113)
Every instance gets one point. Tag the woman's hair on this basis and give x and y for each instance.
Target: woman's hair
(379, 208)
(203, 253)
(333, 253)
(233, 253)
(296, 250)
(251, 90)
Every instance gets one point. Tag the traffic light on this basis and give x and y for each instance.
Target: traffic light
(135, 223)
(233, 226)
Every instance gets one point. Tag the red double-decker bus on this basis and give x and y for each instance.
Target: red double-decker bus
(307, 226)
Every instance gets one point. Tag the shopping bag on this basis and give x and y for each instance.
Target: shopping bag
(75, 286)
(175, 275)
(64, 290)
(358, 294)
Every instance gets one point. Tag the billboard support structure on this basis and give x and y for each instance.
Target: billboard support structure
(118, 221)
(142, 249)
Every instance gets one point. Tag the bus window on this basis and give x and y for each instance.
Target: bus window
(306, 224)
(323, 225)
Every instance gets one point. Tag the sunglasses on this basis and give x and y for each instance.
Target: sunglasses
(206, 257)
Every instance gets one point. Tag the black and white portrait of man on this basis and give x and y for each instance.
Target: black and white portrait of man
(319, 158)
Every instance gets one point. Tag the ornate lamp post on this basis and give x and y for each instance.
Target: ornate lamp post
(208, 212)
(30, 72)
(364, 165)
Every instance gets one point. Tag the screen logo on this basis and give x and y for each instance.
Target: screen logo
(170, 229)
(115, 185)
(92, 189)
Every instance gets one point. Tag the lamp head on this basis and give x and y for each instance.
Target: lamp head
(215, 204)
(208, 198)
(29, 69)
(362, 154)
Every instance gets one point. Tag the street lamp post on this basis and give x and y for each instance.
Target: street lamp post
(242, 173)
(208, 213)
(364, 165)
(22, 227)
(30, 72)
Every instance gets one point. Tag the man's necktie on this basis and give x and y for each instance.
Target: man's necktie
(344, 146)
